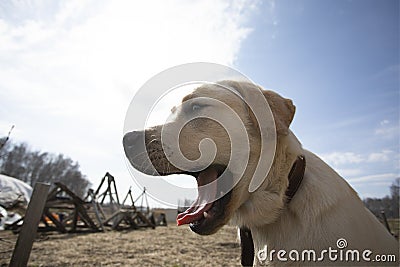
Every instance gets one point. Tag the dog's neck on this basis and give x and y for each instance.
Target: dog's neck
(292, 166)
(295, 222)
(295, 178)
(265, 205)
(315, 217)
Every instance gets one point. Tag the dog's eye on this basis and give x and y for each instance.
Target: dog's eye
(196, 107)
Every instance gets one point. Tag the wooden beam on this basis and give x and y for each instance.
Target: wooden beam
(56, 222)
(24, 244)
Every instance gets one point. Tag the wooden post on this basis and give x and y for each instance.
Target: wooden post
(32, 217)
(385, 221)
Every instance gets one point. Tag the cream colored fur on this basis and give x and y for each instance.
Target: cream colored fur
(325, 207)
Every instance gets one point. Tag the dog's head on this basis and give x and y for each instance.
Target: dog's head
(182, 146)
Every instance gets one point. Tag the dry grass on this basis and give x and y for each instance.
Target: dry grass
(163, 246)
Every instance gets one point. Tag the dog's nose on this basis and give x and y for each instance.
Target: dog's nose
(133, 138)
(136, 152)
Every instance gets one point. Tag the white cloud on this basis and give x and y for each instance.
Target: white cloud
(376, 178)
(383, 156)
(387, 129)
(364, 170)
(384, 122)
(346, 158)
(70, 68)
(349, 172)
(340, 158)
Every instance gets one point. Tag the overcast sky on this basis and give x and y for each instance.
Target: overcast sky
(69, 69)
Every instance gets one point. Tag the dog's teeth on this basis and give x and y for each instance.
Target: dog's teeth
(205, 214)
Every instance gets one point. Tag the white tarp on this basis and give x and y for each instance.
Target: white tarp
(13, 190)
(7, 218)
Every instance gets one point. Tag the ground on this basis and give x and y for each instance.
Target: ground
(164, 246)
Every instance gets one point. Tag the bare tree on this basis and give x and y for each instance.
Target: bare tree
(21, 162)
(388, 204)
(3, 141)
(394, 190)
(16, 162)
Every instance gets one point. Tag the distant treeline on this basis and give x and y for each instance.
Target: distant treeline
(388, 204)
(31, 166)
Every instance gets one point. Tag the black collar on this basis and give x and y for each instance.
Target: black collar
(295, 177)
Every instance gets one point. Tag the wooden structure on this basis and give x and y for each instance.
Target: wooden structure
(24, 243)
(66, 212)
(110, 192)
(129, 194)
(143, 197)
(129, 216)
(97, 199)
(156, 218)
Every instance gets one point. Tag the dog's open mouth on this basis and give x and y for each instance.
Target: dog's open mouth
(208, 212)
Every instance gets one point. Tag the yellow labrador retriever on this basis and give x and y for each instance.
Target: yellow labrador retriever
(301, 205)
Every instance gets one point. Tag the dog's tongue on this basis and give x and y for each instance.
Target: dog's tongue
(206, 195)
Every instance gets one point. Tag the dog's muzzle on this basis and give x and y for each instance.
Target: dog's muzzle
(134, 143)
(135, 150)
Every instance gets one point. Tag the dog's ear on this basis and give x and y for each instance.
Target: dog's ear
(282, 109)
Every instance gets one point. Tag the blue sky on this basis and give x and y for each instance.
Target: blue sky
(339, 62)
(70, 68)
